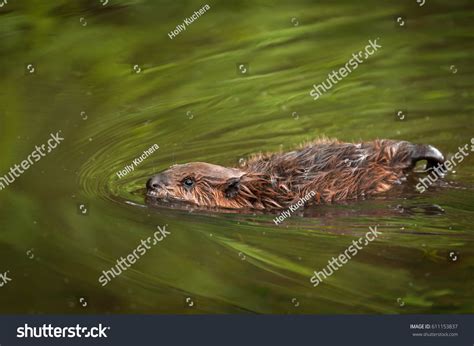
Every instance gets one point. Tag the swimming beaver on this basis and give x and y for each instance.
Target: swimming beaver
(326, 170)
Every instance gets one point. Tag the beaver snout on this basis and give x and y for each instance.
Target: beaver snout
(156, 184)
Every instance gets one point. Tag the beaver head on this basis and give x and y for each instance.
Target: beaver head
(199, 183)
(207, 185)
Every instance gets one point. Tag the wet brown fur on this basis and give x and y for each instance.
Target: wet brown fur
(332, 169)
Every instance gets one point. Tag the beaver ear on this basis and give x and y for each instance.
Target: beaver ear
(232, 187)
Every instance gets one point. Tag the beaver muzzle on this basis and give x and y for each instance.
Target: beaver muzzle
(157, 186)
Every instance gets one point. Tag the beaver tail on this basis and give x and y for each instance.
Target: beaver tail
(407, 154)
(433, 156)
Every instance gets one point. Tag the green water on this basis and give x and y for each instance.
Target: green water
(189, 99)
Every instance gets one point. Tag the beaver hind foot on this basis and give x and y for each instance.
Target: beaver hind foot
(325, 170)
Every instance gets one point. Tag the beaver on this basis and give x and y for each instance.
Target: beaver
(322, 171)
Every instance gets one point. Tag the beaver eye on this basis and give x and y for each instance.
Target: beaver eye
(188, 182)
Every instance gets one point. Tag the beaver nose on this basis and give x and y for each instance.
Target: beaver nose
(156, 182)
